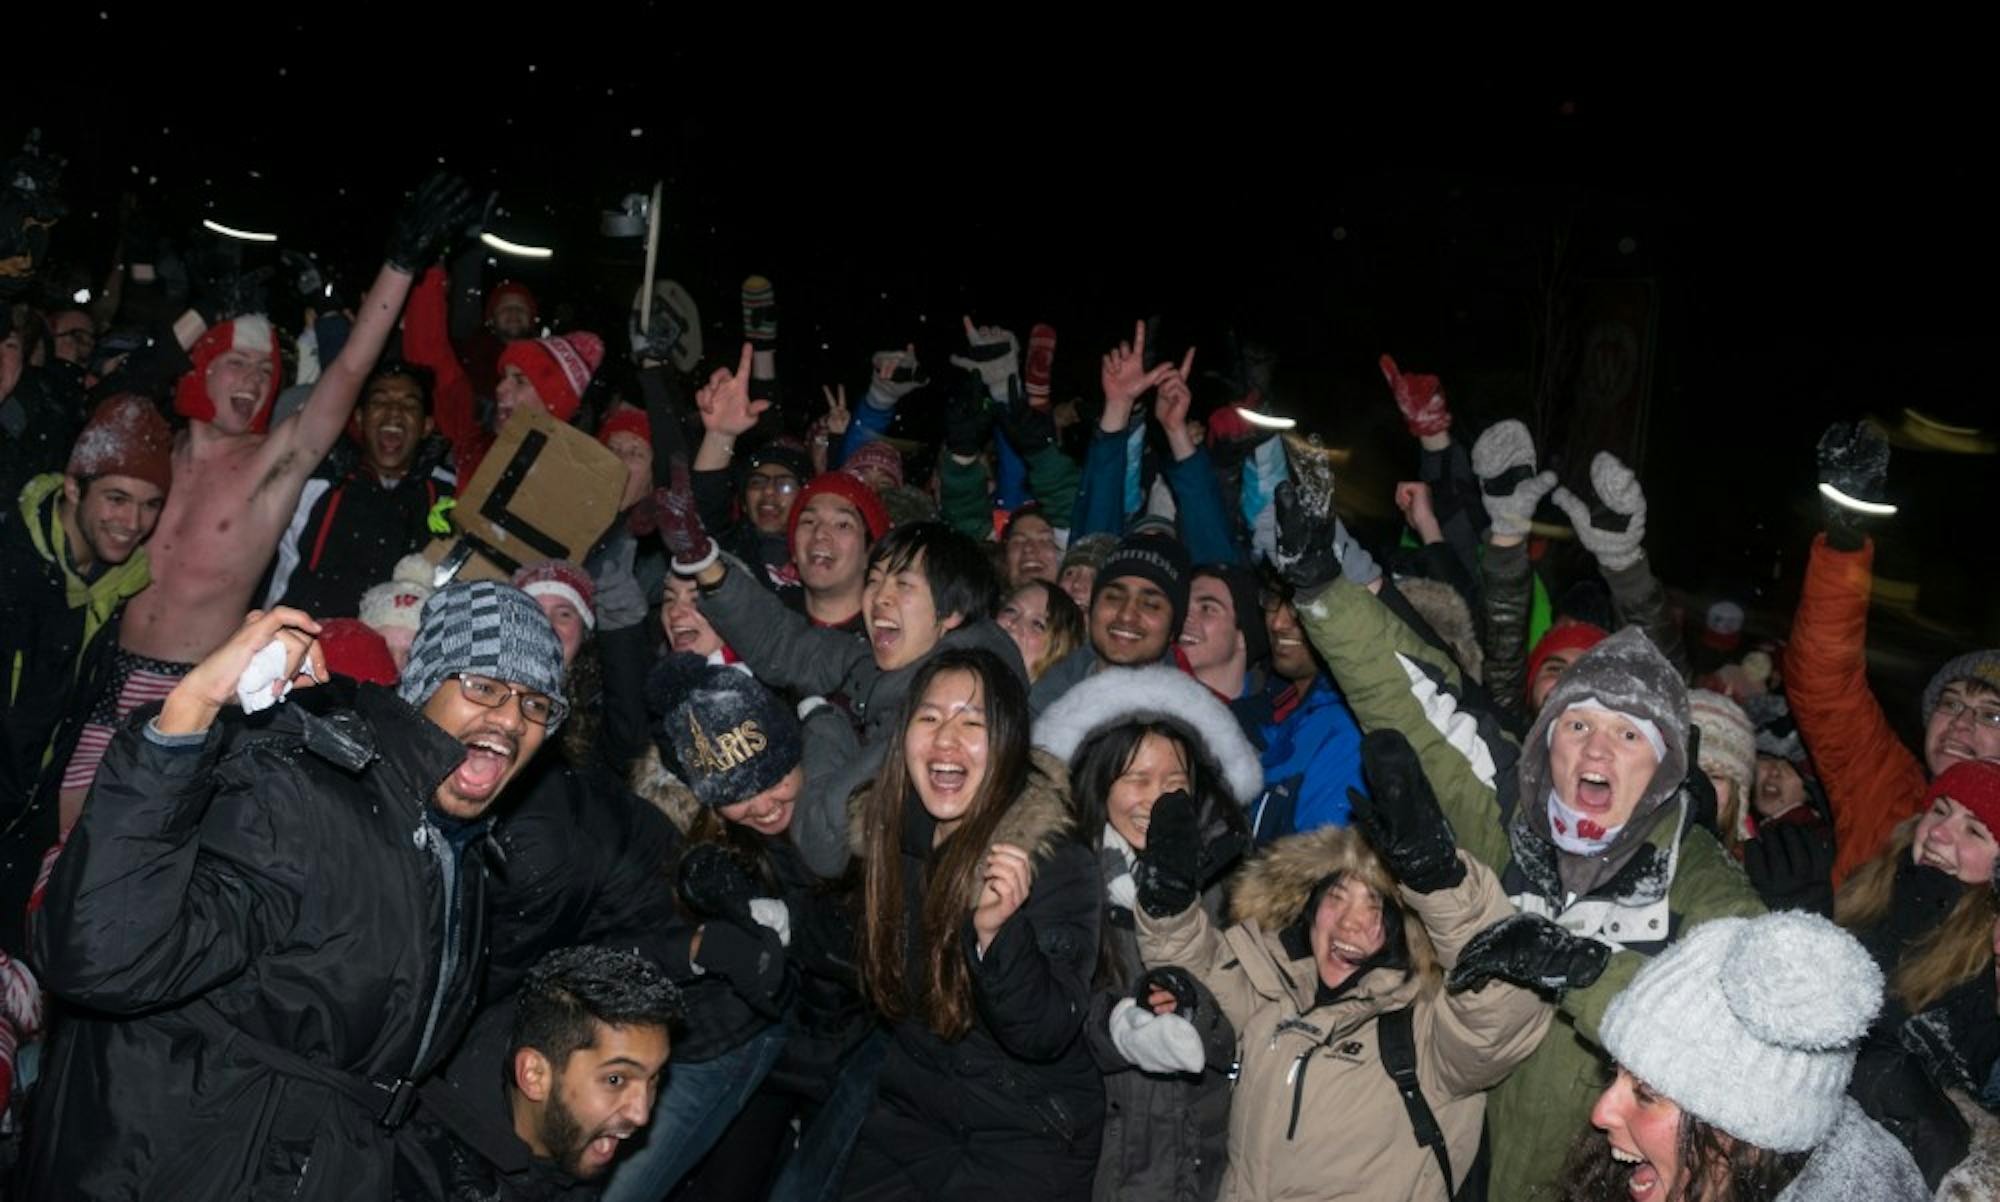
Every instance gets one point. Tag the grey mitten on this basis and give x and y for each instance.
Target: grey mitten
(1155, 1043)
(896, 382)
(1616, 534)
(619, 601)
(1504, 461)
(995, 354)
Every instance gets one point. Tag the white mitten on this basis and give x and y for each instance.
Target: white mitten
(1504, 461)
(1156, 1043)
(771, 912)
(1618, 488)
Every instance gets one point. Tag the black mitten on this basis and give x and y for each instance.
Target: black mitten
(1791, 867)
(1401, 818)
(1532, 952)
(1854, 460)
(749, 957)
(712, 883)
(1168, 873)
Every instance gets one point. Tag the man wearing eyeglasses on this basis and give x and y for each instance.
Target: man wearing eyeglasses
(746, 499)
(269, 931)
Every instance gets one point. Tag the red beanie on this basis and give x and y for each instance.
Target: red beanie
(125, 437)
(251, 332)
(877, 454)
(1567, 634)
(560, 578)
(874, 515)
(628, 420)
(357, 651)
(507, 288)
(1974, 784)
(560, 367)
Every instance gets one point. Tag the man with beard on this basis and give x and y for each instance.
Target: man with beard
(1137, 605)
(268, 933)
(360, 513)
(581, 1050)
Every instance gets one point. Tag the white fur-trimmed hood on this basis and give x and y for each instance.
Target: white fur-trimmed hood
(1117, 695)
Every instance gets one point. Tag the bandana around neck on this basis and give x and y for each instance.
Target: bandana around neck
(1577, 833)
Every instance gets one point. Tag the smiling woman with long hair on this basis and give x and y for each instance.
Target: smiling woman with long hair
(979, 933)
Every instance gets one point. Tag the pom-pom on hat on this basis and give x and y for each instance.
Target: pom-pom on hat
(1750, 1024)
(563, 579)
(874, 515)
(399, 600)
(559, 367)
(126, 436)
(727, 736)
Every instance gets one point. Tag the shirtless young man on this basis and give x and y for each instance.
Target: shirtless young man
(235, 486)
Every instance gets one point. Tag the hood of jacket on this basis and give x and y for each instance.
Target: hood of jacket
(654, 782)
(1273, 889)
(1116, 696)
(1626, 674)
(100, 598)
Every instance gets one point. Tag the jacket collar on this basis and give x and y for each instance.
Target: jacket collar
(41, 517)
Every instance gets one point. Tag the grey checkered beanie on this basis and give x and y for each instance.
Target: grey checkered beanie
(1750, 1024)
(485, 627)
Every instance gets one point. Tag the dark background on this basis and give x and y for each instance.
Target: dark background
(1816, 248)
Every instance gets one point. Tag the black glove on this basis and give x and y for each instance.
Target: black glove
(1704, 807)
(967, 418)
(1401, 818)
(1305, 554)
(304, 276)
(1854, 459)
(1173, 979)
(712, 883)
(1791, 867)
(1168, 873)
(748, 957)
(1027, 428)
(1532, 952)
(442, 204)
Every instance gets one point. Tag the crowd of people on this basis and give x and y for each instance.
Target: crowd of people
(1076, 808)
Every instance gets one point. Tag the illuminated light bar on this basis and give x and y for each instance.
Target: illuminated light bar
(515, 248)
(1935, 424)
(1265, 420)
(1840, 498)
(246, 235)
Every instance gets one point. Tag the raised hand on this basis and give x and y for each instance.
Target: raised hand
(1413, 499)
(1421, 399)
(1171, 408)
(724, 402)
(995, 354)
(895, 377)
(1168, 874)
(1510, 488)
(1401, 818)
(1532, 952)
(442, 204)
(838, 416)
(686, 539)
(212, 683)
(968, 419)
(1305, 554)
(1125, 378)
(1041, 363)
(1005, 879)
(1853, 460)
(1616, 537)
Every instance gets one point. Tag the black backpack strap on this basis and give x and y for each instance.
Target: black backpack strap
(1395, 1033)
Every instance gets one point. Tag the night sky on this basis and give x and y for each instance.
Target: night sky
(1814, 248)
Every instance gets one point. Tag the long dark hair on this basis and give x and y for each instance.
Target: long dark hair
(1108, 754)
(1715, 1167)
(944, 996)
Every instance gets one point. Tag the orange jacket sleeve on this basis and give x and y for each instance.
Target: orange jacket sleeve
(1871, 778)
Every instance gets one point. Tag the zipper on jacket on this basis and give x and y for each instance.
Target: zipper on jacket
(429, 839)
(1297, 1078)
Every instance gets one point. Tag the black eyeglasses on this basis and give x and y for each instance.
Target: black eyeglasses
(539, 708)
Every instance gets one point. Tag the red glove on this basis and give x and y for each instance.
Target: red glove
(680, 524)
(1041, 363)
(1421, 398)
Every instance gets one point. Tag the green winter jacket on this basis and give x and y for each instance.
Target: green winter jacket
(1392, 678)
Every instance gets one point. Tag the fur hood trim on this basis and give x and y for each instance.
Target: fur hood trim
(1273, 888)
(1450, 617)
(654, 781)
(1116, 696)
(1037, 820)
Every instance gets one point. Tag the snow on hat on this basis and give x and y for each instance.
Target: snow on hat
(251, 333)
(876, 454)
(398, 602)
(1151, 557)
(1568, 634)
(562, 579)
(1750, 1025)
(511, 288)
(1118, 696)
(626, 420)
(1090, 551)
(559, 367)
(1982, 667)
(1728, 742)
(1974, 784)
(1243, 597)
(729, 738)
(874, 514)
(355, 650)
(126, 436)
(486, 627)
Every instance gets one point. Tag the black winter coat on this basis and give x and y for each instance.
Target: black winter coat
(349, 529)
(1015, 1107)
(249, 931)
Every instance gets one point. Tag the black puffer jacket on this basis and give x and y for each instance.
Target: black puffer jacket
(276, 893)
(1015, 1107)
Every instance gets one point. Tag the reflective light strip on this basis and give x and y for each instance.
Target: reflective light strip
(245, 235)
(515, 248)
(1859, 506)
(1264, 419)
(1935, 424)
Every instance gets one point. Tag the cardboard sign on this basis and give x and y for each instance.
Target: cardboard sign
(546, 490)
